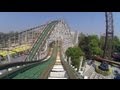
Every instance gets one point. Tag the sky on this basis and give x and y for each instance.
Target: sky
(86, 22)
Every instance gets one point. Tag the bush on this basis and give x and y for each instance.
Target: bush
(105, 73)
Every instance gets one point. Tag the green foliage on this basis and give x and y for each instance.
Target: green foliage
(83, 44)
(96, 51)
(93, 37)
(102, 42)
(117, 48)
(81, 37)
(69, 52)
(116, 43)
(93, 43)
(90, 45)
(74, 53)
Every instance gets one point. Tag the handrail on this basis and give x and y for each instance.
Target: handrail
(72, 74)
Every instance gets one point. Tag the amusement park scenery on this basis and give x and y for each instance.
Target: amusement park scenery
(59, 45)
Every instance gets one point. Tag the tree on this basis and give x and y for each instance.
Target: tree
(76, 57)
(83, 44)
(74, 53)
(116, 44)
(81, 37)
(94, 46)
(90, 45)
(102, 42)
(96, 51)
(68, 53)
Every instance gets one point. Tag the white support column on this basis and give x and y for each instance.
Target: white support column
(26, 37)
(45, 49)
(23, 38)
(38, 56)
(81, 61)
(66, 58)
(19, 39)
(84, 67)
(69, 60)
(8, 57)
